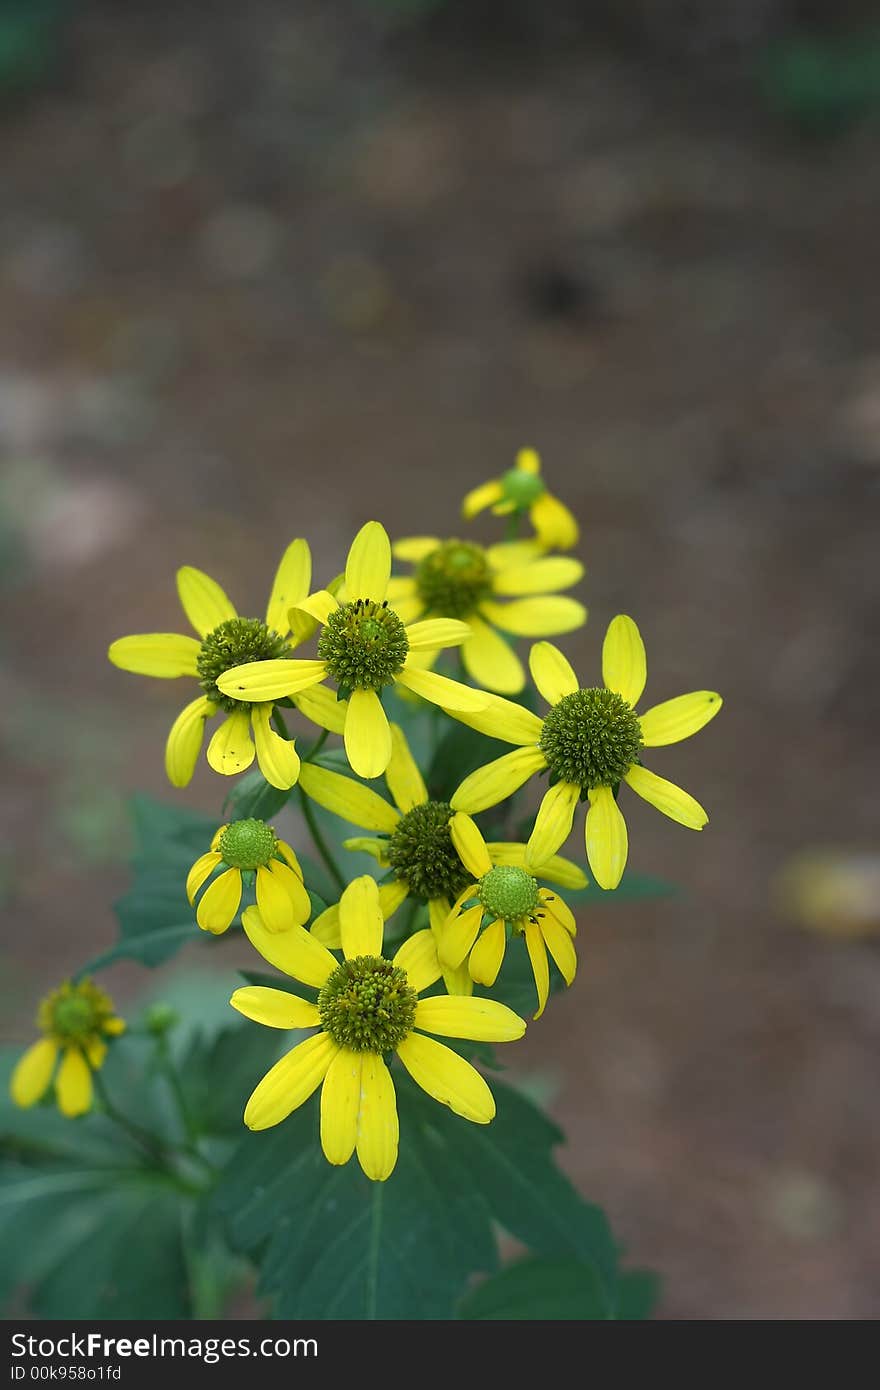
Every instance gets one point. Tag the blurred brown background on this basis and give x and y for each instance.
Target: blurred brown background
(274, 271)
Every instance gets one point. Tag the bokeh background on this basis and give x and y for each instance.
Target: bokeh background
(275, 270)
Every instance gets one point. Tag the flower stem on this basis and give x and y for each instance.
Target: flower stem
(312, 753)
(319, 841)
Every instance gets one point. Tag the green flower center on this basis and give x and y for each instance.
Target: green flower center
(453, 579)
(592, 737)
(234, 643)
(421, 852)
(364, 645)
(247, 844)
(75, 1013)
(522, 488)
(509, 892)
(368, 1005)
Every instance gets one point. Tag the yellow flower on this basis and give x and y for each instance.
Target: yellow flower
(522, 489)
(226, 640)
(591, 741)
(75, 1020)
(510, 588)
(510, 898)
(367, 1006)
(250, 851)
(364, 646)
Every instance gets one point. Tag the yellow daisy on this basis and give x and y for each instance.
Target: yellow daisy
(511, 588)
(75, 1020)
(522, 489)
(364, 646)
(367, 1006)
(226, 640)
(591, 741)
(249, 852)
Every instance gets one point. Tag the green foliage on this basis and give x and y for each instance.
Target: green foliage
(253, 796)
(823, 85)
(559, 1290)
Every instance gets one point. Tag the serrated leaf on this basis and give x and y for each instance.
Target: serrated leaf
(218, 1073)
(539, 1290)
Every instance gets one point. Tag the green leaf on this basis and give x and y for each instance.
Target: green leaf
(461, 751)
(218, 1074)
(539, 1290)
(637, 1293)
(253, 796)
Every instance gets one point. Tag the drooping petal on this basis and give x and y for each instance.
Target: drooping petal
(679, 718)
(274, 1008)
(503, 719)
(320, 704)
(554, 523)
(368, 844)
(378, 1125)
(675, 803)
(470, 845)
(33, 1072)
(497, 780)
(348, 799)
(296, 952)
(277, 757)
(203, 601)
(368, 567)
(291, 584)
(431, 634)
(606, 838)
(219, 902)
(318, 605)
(537, 617)
(418, 957)
(415, 548)
(487, 957)
(545, 576)
(459, 934)
(552, 824)
(479, 498)
(552, 903)
(361, 923)
(257, 681)
(513, 554)
(529, 461)
(560, 945)
(447, 1077)
(200, 871)
(553, 870)
(218, 836)
(294, 887)
(340, 1104)
(185, 740)
(273, 901)
(231, 749)
(405, 782)
(540, 969)
(96, 1053)
(162, 654)
(326, 928)
(440, 690)
(391, 895)
(490, 660)
(73, 1084)
(483, 1020)
(552, 672)
(290, 1082)
(624, 664)
(367, 735)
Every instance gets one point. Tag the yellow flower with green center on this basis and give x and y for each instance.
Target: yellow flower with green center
(75, 1020)
(505, 900)
(414, 840)
(522, 489)
(248, 851)
(364, 646)
(591, 741)
(511, 588)
(226, 640)
(367, 1006)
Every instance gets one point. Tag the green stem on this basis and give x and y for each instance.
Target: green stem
(169, 1071)
(279, 722)
(316, 747)
(511, 532)
(319, 841)
(148, 1142)
(373, 1262)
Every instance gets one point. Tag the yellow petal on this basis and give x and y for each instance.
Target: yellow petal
(470, 845)
(361, 923)
(418, 957)
(624, 665)
(96, 1053)
(484, 1020)
(367, 735)
(73, 1084)
(367, 844)
(409, 610)
(368, 567)
(231, 749)
(479, 498)
(404, 780)
(498, 780)
(551, 672)
(552, 824)
(491, 661)
(415, 548)
(459, 935)
(202, 600)
(291, 583)
(200, 871)
(319, 605)
(679, 718)
(219, 902)
(320, 704)
(536, 617)
(33, 1072)
(391, 895)
(505, 720)
(400, 586)
(277, 757)
(287, 854)
(273, 901)
(378, 1128)
(348, 799)
(552, 903)
(290, 1082)
(256, 681)
(540, 969)
(606, 838)
(447, 1077)
(561, 947)
(513, 554)
(433, 633)
(340, 1104)
(545, 576)
(163, 654)
(274, 1008)
(218, 836)
(553, 870)
(295, 951)
(678, 805)
(554, 523)
(293, 885)
(529, 461)
(486, 958)
(440, 690)
(113, 1027)
(185, 741)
